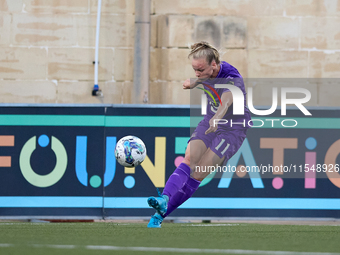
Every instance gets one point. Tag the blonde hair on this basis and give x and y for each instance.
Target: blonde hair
(205, 50)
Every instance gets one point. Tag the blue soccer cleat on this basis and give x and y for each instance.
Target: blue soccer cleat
(155, 221)
(160, 204)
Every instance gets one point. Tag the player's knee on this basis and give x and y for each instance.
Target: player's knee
(186, 160)
(197, 176)
(191, 162)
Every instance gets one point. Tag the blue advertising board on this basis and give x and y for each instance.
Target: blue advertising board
(58, 161)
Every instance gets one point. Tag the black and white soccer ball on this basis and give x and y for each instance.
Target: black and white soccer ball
(130, 151)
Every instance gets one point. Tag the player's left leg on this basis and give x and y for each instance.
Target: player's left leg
(222, 148)
(155, 221)
(209, 158)
(180, 185)
(179, 177)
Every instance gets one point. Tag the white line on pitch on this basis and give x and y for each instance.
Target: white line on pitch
(209, 251)
(174, 250)
(5, 245)
(55, 246)
(213, 225)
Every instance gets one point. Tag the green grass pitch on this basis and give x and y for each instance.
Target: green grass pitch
(135, 238)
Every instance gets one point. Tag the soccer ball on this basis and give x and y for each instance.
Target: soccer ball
(130, 151)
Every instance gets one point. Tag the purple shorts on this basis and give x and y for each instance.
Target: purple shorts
(223, 142)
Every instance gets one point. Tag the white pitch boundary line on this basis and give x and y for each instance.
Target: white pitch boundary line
(209, 251)
(213, 225)
(5, 245)
(174, 250)
(55, 246)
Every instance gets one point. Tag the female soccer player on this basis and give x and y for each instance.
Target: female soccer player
(212, 143)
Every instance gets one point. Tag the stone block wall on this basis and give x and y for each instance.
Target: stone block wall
(47, 51)
(47, 47)
(281, 40)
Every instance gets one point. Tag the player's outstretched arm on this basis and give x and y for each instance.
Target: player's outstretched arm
(227, 100)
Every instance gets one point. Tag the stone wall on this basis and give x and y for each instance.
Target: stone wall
(47, 51)
(47, 47)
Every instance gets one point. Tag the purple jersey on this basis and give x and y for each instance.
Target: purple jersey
(227, 75)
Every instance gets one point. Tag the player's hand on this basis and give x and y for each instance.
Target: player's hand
(186, 84)
(190, 83)
(213, 126)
